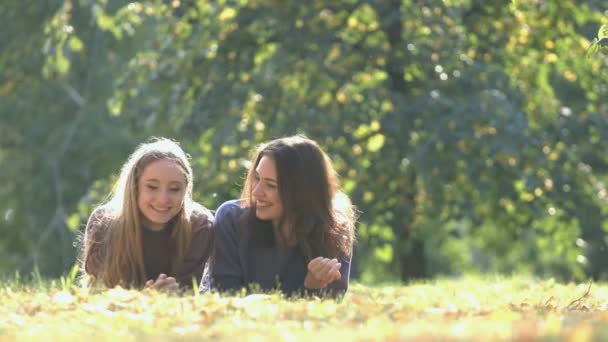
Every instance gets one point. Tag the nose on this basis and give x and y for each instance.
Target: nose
(257, 190)
(164, 198)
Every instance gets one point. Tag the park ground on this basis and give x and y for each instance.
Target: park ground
(467, 308)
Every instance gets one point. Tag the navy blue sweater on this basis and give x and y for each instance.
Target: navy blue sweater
(238, 262)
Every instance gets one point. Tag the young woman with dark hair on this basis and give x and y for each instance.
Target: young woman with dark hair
(292, 230)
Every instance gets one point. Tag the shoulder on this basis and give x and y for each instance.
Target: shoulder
(229, 218)
(229, 210)
(100, 213)
(201, 218)
(98, 218)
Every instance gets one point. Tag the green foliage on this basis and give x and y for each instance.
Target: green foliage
(600, 43)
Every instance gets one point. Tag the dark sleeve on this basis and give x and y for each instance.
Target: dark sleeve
(201, 247)
(339, 287)
(93, 243)
(226, 271)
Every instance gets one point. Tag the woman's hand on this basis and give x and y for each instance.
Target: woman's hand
(163, 283)
(321, 272)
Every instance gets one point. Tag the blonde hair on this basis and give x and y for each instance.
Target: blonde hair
(121, 239)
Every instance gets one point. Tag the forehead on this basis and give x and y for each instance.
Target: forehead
(163, 170)
(266, 167)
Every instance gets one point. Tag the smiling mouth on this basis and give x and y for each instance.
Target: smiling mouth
(162, 211)
(262, 205)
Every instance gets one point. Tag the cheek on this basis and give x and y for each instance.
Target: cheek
(178, 197)
(142, 196)
(141, 202)
(276, 199)
(278, 209)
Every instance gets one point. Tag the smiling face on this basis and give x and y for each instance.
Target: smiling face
(268, 205)
(160, 193)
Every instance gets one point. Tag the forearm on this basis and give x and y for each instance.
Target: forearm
(230, 284)
(193, 266)
(225, 268)
(224, 279)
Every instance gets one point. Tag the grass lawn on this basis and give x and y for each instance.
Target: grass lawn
(490, 308)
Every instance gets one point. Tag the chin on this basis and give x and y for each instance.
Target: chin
(161, 220)
(261, 216)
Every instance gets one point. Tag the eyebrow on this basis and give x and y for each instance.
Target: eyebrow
(157, 181)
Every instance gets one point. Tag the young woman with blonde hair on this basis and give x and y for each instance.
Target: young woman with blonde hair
(150, 233)
(292, 229)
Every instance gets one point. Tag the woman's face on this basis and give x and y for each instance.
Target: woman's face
(268, 205)
(160, 193)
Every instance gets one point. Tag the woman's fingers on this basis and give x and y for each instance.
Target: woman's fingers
(324, 269)
(163, 283)
(334, 273)
(314, 264)
(321, 272)
(170, 286)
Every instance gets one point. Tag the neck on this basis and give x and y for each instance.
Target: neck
(152, 226)
(284, 235)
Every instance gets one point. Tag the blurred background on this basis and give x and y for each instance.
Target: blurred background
(472, 135)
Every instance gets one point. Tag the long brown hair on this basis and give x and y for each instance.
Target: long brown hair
(121, 239)
(316, 211)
